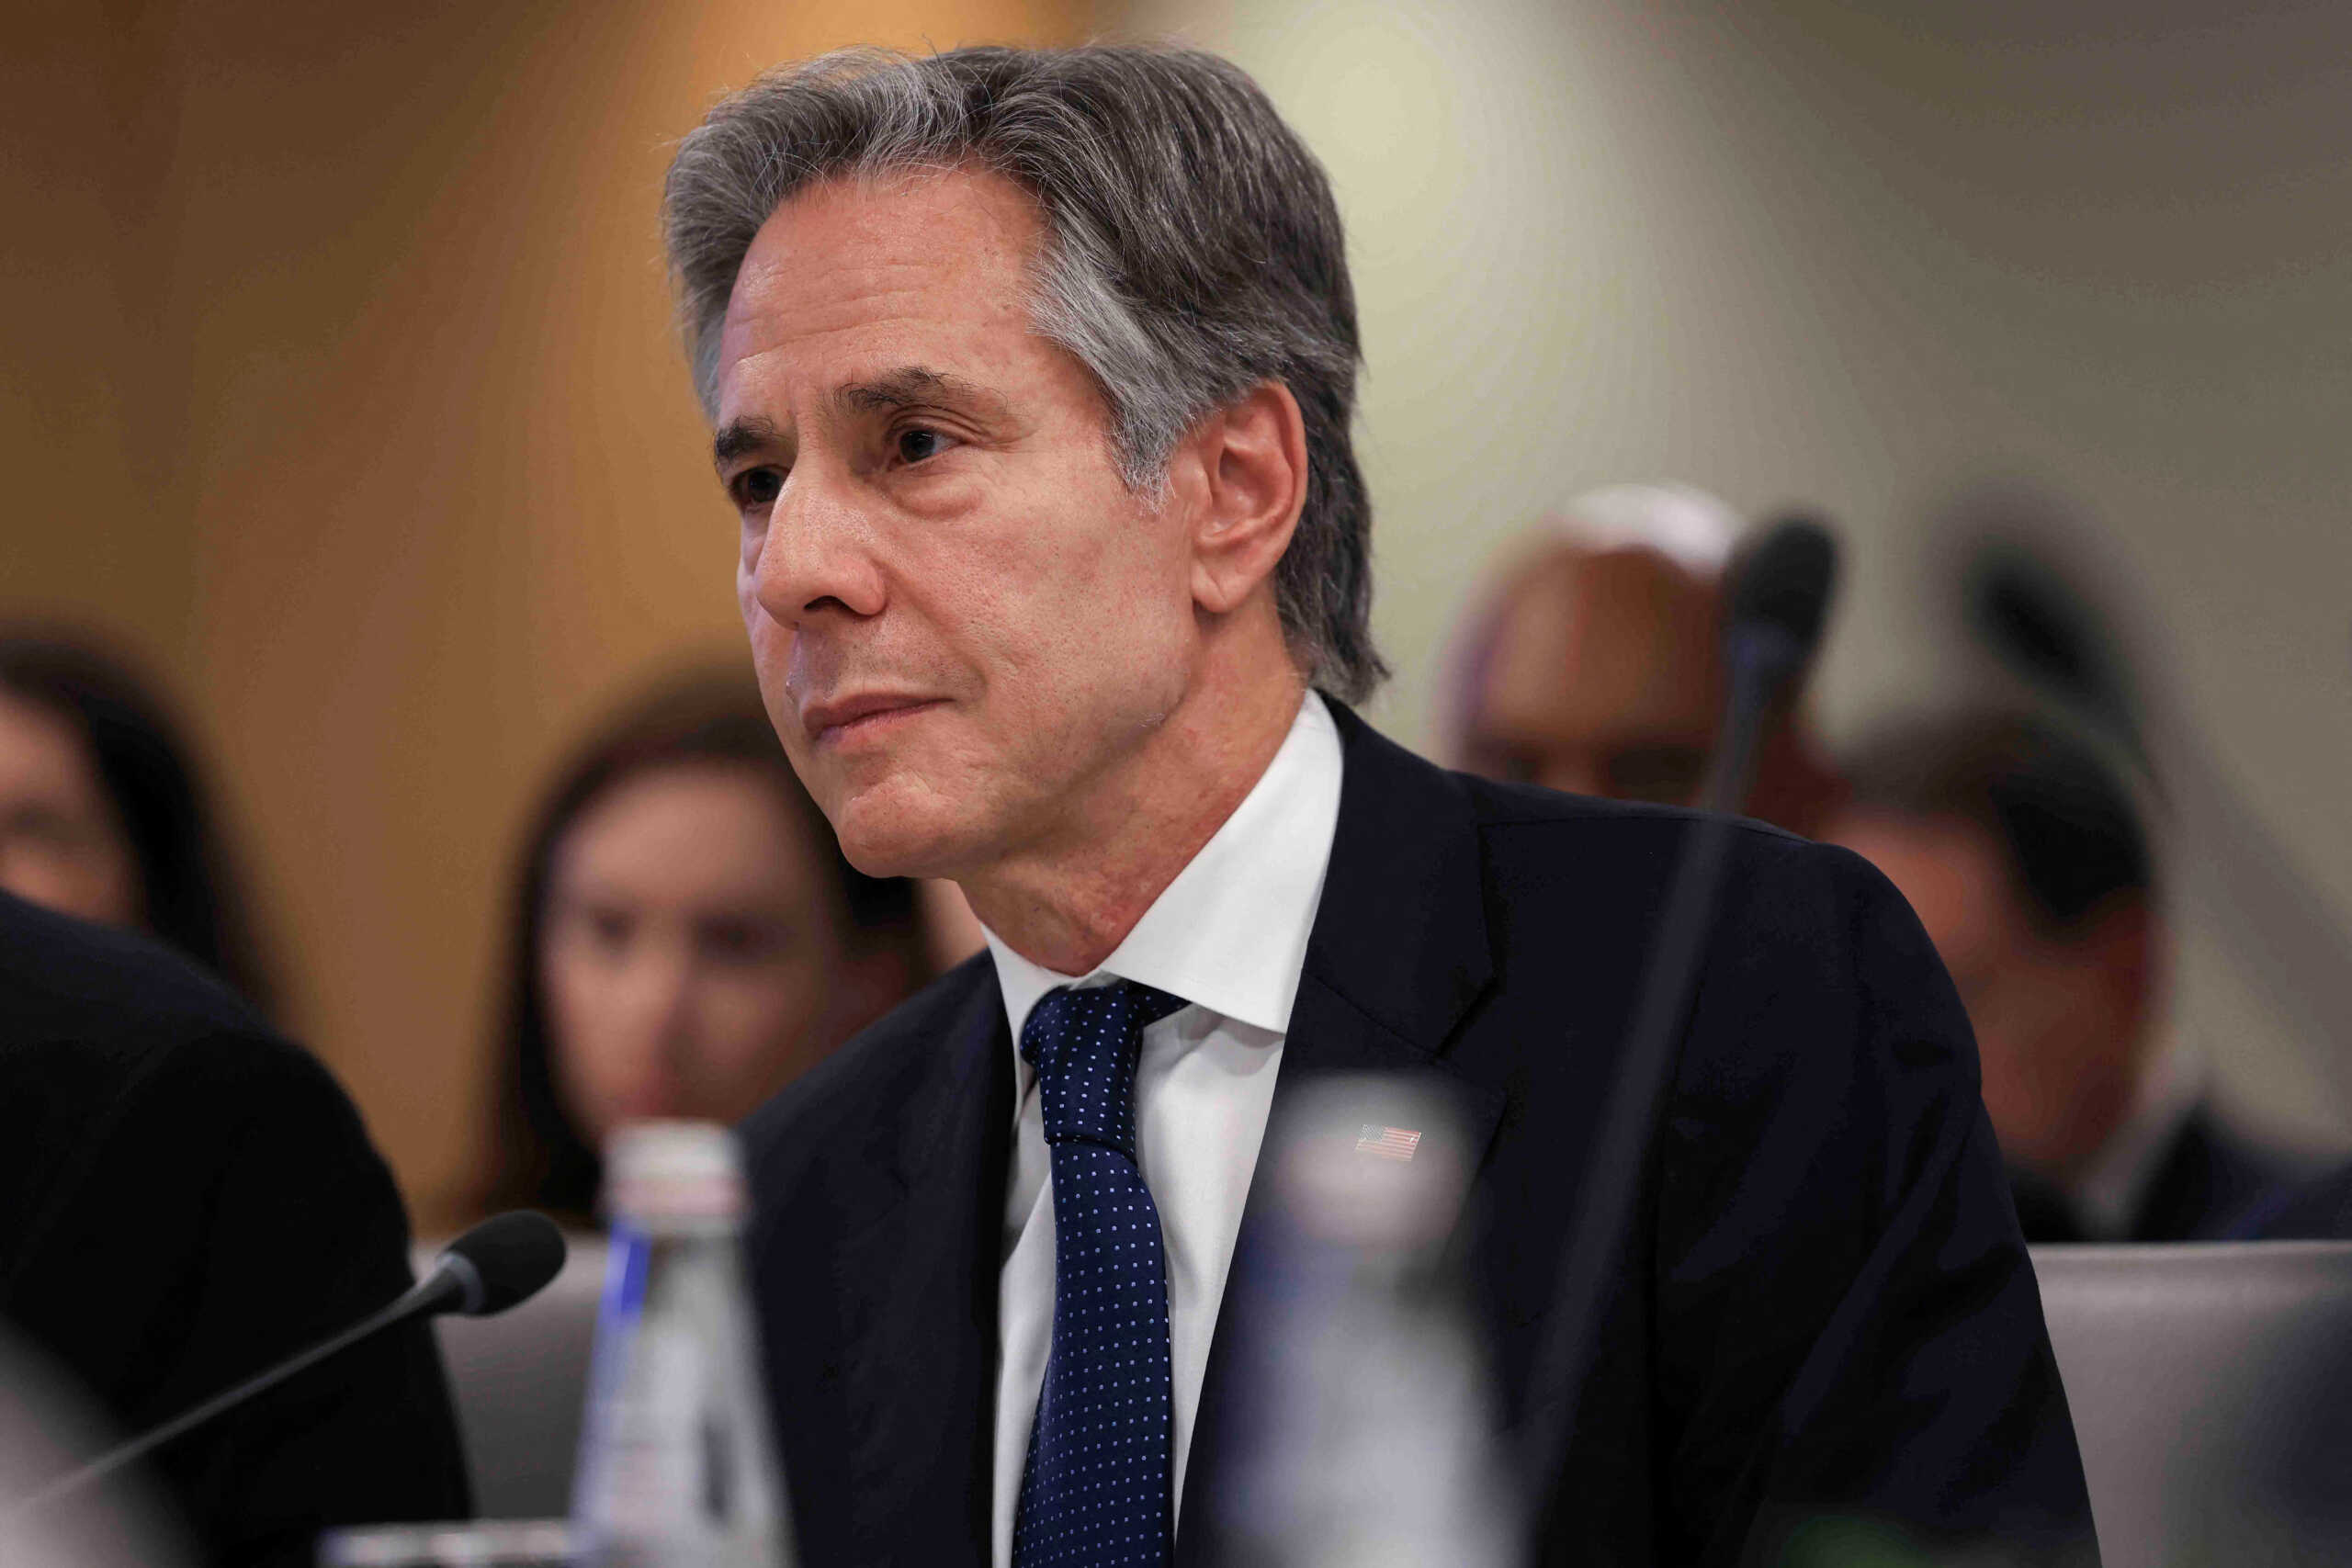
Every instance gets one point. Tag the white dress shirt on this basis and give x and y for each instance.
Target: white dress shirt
(1229, 937)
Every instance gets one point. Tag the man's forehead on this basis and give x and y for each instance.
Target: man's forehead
(868, 268)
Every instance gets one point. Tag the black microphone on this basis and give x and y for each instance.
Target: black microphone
(1774, 610)
(500, 1261)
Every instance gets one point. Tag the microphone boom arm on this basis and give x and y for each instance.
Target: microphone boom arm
(499, 1262)
(435, 1291)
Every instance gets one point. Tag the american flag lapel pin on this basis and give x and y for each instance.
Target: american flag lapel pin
(1389, 1142)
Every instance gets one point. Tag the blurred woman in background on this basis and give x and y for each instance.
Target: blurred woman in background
(685, 940)
(104, 812)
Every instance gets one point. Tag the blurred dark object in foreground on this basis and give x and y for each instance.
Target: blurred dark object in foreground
(104, 813)
(1367, 1431)
(168, 1170)
(44, 1432)
(2023, 853)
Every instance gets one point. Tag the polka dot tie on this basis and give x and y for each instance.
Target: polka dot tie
(1096, 1489)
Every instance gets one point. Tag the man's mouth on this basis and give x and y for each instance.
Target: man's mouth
(844, 719)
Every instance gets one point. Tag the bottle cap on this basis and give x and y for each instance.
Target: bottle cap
(673, 1170)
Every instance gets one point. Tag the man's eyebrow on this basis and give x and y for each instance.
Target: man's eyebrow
(740, 437)
(907, 386)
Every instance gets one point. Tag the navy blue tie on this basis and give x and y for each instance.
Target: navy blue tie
(1096, 1488)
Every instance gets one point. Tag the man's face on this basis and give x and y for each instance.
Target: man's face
(1601, 679)
(964, 621)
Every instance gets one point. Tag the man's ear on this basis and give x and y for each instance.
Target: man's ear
(1252, 465)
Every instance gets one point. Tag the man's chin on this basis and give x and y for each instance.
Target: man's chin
(893, 830)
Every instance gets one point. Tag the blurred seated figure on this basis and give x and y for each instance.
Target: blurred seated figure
(1594, 663)
(684, 939)
(2317, 1210)
(2024, 857)
(185, 1199)
(103, 810)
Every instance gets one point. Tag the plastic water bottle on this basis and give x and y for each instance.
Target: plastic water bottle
(1369, 1440)
(677, 1465)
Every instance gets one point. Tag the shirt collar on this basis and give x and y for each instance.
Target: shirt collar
(1229, 933)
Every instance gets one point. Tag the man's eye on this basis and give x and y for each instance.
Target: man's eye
(755, 488)
(917, 442)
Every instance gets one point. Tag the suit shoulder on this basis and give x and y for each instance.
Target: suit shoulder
(1496, 805)
(1595, 878)
(1609, 840)
(64, 978)
(134, 1091)
(100, 1019)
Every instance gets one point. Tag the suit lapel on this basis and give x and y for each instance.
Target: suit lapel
(918, 1287)
(1397, 958)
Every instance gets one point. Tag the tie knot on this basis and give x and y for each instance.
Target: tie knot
(1084, 1044)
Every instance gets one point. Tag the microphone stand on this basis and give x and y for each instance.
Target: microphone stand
(1760, 658)
(439, 1291)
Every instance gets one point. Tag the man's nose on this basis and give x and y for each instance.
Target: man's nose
(818, 554)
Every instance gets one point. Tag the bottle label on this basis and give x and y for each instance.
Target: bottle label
(676, 1468)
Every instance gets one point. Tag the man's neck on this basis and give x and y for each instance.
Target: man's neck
(1068, 908)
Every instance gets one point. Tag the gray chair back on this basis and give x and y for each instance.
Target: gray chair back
(2212, 1390)
(521, 1382)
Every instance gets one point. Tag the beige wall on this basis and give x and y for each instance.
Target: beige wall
(77, 307)
(341, 384)
(1853, 255)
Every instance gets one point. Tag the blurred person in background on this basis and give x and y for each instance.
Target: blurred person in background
(2023, 853)
(104, 812)
(2318, 1210)
(1593, 664)
(685, 940)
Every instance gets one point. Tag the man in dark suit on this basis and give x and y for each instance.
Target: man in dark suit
(185, 1199)
(2022, 852)
(1031, 375)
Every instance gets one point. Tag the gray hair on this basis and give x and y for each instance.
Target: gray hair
(1193, 253)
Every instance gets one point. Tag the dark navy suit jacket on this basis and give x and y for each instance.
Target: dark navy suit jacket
(1826, 1307)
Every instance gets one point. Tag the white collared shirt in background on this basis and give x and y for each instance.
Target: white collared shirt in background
(1228, 935)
